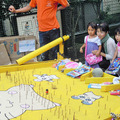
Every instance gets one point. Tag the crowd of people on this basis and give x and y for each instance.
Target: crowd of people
(100, 43)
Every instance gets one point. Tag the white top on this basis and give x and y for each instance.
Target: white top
(95, 40)
(111, 47)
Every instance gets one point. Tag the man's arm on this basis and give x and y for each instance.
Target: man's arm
(61, 7)
(21, 10)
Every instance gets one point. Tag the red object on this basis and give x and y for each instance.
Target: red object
(15, 49)
(115, 93)
(46, 91)
(54, 65)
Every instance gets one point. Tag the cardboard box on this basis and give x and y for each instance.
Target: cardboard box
(12, 45)
(4, 58)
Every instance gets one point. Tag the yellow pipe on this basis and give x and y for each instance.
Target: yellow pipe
(42, 50)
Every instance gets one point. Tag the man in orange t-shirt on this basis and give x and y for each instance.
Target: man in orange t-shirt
(47, 21)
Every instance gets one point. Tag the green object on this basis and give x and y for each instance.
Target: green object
(104, 41)
(97, 72)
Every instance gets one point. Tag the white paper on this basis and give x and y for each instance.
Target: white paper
(26, 45)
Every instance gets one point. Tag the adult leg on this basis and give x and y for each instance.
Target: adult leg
(43, 40)
(54, 34)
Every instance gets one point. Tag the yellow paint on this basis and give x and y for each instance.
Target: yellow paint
(88, 77)
(107, 88)
(61, 51)
(68, 70)
(41, 50)
(60, 91)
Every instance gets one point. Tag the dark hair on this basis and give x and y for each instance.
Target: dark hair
(117, 31)
(92, 24)
(103, 27)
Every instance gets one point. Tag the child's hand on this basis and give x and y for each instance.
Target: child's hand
(112, 61)
(94, 52)
(81, 50)
(97, 54)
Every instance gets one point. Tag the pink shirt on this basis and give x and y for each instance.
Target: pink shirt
(118, 45)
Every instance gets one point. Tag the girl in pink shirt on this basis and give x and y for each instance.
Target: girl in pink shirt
(117, 37)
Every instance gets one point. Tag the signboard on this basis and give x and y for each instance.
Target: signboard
(28, 25)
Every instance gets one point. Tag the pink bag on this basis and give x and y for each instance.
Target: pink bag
(91, 58)
(71, 65)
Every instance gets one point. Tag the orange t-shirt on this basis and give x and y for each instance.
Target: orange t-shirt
(46, 13)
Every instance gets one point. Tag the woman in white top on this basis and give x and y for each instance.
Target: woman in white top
(108, 45)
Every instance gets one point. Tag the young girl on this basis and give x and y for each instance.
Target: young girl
(117, 51)
(108, 45)
(93, 42)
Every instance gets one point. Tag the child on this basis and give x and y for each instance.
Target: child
(117, 51)
(93, 42)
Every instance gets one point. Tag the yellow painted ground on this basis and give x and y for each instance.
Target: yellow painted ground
(60, 91)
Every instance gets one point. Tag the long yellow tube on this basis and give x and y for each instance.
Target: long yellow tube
(42, 50)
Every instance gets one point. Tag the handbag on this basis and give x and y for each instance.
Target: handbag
(91, 58)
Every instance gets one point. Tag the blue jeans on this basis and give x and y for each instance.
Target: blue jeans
(45, 38)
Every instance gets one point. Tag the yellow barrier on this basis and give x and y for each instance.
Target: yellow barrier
(88, 77)
(106, 88)
(42, 50)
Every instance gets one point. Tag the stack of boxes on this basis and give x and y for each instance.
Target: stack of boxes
(10, 48)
